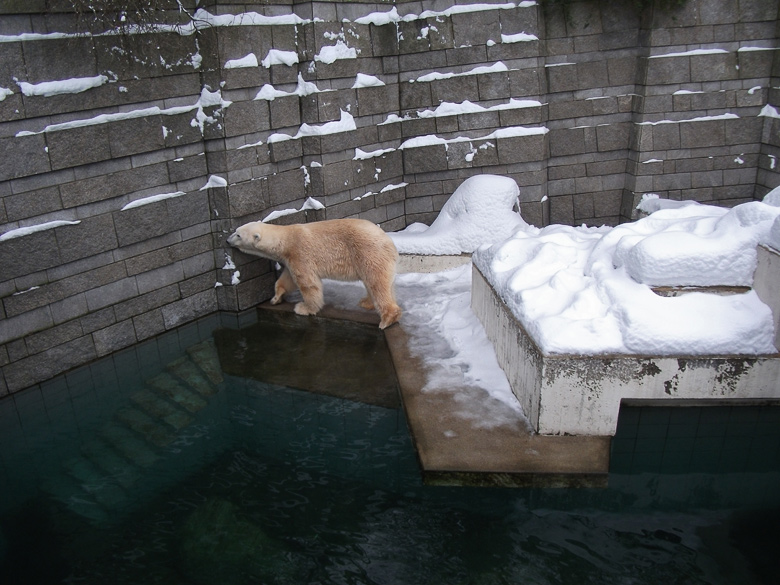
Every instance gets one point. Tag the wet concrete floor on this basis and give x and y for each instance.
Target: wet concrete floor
(343, 353)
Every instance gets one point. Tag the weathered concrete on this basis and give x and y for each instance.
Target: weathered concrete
(424, 263)
(452, 450)
(581, 395)
(767, 283)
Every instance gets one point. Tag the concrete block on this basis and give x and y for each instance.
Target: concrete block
(377, 100)
(713, 12)
(522, 116)
(249, 197)
(743, 131)
(613, 136)
(460, 155)
(19, 326)
(493, 86)
(593, 74)
(664, 136)
(148, 325)
(337, 177)
(284, 112)
(119, 182)
(92, 236)
(414, 96)
(78, 146)
(546, 385)
(521, 149)
(562, 77)
(425, 159)
(144, 303)
(114, 338)
(128, 137)
(422, 62)
(766, 283)
(198, 284)
(246, 117)
(560, 187)
(112, 293)
(23, 156)
(285, 150)
(412, 39)
(607, 203)
(159, 277)
(667, 70)
(440, 35)
(180, 130)
(622, 70)
(32, 203)
(384, 39)
(475, 28)
(455, 89)
(141, 223)
(189, 309)
(69, 308)
(52, 337)
(184, 168)
(466, 56)
(59, 59)
(702, 134)
(566, 141)
(38, 368)
(285, 187)
(562, 210)
(754, 64)
(39, 251)
(479, 121)
(714, 67)
(485, 153)
(583, 206)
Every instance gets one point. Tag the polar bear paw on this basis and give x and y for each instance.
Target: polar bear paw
(304, 309)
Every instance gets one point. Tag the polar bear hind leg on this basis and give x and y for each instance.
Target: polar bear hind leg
(382, 297)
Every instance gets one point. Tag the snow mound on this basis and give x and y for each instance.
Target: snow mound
(697, 245)
(587, 291)
(480, 211)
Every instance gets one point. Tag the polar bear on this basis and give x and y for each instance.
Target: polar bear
(341, 249)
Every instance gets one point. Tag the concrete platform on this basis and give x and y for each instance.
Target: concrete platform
(454, 451)
(582, 394)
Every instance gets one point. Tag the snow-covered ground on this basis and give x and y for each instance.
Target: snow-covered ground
(580, 290)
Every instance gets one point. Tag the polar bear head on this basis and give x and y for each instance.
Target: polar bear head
(256, 238)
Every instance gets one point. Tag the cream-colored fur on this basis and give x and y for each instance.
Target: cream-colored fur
(341, 249)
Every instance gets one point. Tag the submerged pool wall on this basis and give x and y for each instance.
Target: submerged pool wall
(148, 149)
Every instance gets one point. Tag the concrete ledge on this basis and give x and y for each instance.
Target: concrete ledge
(453, 451)
(581, 395)
(423, 263)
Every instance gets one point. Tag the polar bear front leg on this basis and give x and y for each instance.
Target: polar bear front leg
(284, 284)
(311, 290)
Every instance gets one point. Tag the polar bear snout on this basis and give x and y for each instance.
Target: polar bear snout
(234, 239)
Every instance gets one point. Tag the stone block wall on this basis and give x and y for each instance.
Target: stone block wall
(116, 196)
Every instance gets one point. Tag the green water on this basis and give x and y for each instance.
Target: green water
(189, 461)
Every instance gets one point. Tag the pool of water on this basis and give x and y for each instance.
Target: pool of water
(273, 449)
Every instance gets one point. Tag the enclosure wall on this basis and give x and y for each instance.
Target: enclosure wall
(120, 180)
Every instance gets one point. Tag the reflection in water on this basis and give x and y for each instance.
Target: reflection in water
(176, 472)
